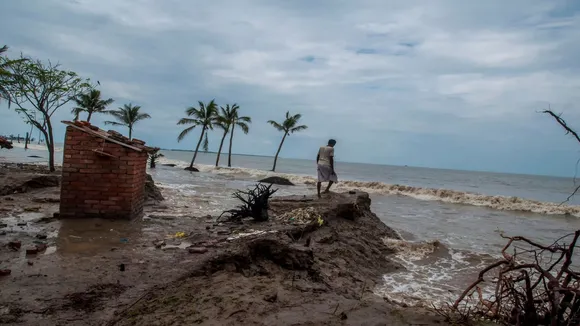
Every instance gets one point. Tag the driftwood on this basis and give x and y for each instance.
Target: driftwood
(255, 204)
(534, 284)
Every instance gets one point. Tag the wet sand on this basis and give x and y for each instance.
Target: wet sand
(283, 272)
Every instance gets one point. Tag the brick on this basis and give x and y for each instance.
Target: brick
(100, 186)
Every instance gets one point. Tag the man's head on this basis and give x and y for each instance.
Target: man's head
(331, 142)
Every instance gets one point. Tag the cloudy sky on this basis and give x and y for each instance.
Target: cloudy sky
(448, 84)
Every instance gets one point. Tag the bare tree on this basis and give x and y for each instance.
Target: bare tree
(533, 284)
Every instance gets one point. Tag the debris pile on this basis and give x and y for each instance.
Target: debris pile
(300, 216)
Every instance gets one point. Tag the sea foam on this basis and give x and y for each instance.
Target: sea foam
(422, 193)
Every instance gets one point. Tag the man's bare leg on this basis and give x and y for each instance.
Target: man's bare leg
(318, 188)
(328, 187)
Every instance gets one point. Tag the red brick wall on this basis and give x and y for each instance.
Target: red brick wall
(101, 186)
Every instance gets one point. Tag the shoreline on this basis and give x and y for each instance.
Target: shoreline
(444, 195)
(497, 202)
(319, 268)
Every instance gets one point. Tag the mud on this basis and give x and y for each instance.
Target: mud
(23, 182)
(288, 272)
(315, 262)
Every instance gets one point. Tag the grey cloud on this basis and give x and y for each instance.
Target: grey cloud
(454, 71)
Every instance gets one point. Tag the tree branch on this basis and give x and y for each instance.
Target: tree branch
(563, 124)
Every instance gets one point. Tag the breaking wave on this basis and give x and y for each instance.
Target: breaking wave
(444, 195)
(433, 273)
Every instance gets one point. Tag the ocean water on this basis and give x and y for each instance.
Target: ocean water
(451, 220)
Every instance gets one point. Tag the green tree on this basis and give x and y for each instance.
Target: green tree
(289, 126)
(127, 116)
(242, 122)
(6, 74)
(42, 88)
(90, 102)
(205, 116)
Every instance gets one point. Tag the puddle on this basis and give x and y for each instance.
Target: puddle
(93, 236)
(22, 222)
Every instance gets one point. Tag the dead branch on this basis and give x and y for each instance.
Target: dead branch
(518, 300)
(570, 131)
(563, 124)
(255, 204)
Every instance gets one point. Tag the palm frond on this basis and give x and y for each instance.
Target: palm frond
(188, 121)
(142, 116)
(114, 123)
(276, 125)
(299, 128)
(244, 126)
(184, 133)
(127, 115)
(115, 113)
(245, 119)
(195, 112)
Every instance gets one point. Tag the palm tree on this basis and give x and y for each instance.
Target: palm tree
(289, 126)
(241, 122)
(90, 102)
(127, 116)
(227, 121)
(204, 116)
(223, 122)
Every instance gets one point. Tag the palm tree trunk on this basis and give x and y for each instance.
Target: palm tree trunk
(89, 117)
(230, 150)
(278, 152)
(217, 161)
(197, 147)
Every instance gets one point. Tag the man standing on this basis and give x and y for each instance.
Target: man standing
(325, 161)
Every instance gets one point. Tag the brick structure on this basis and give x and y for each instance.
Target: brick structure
(103, 173)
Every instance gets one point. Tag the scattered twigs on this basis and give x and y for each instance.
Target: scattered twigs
(255, 204)
(518, 298)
